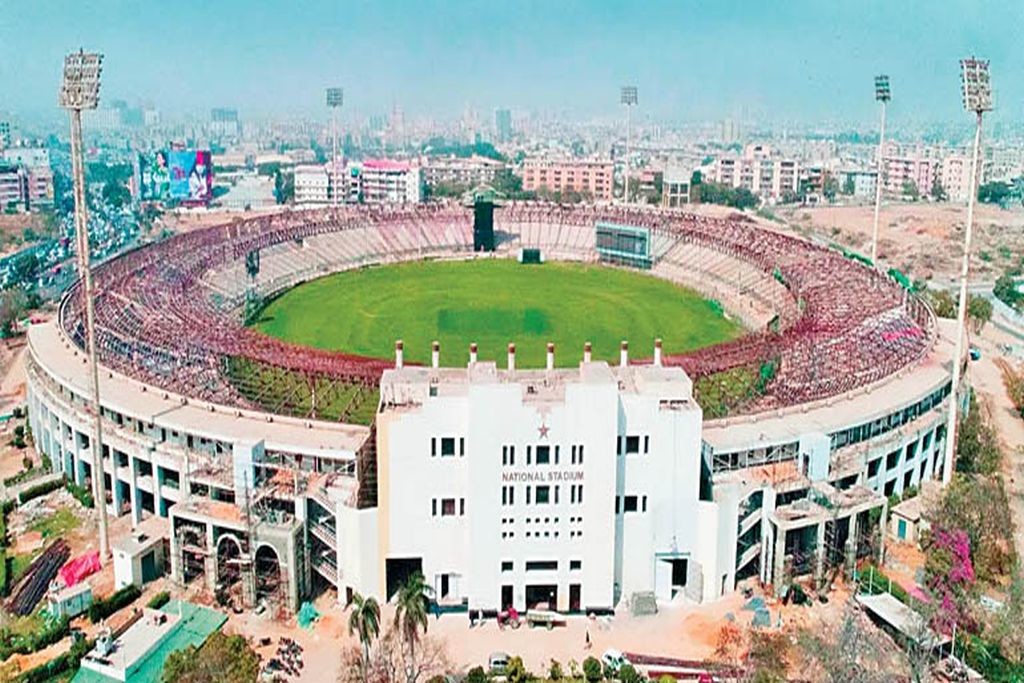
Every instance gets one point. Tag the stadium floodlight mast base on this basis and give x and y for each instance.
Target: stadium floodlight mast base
(882, 95)
(335, 98)
(628, 97)
(80, 90)
(977, 96)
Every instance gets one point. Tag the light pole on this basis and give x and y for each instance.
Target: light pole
(628, 98)
(883, 95)
(977, 95)
(335, 98)
(81, 90)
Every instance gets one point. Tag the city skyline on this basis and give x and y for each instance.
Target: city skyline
(691, 62)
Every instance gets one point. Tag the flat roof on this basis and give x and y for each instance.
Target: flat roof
(900, 617)
(195, 626)
(863, 405)
(54, 352)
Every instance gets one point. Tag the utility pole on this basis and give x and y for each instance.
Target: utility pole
(81, 90)
(977, 96)
(882, 95)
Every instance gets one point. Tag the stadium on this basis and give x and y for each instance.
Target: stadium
(285, 470)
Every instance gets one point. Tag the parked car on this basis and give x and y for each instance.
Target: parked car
(613, 660)
(497, 663)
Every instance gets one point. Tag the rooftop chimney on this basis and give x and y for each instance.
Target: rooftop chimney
(398, 354)
(551, 356)
(435, 354)
(587, 352)
(624, 353)
(472, 352)
(511, 356)
(657, 351)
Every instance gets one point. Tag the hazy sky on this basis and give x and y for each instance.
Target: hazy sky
(785, 60)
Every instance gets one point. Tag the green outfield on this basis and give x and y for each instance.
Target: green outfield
(493, 302)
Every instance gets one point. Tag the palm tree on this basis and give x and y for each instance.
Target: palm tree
(411, 611)
(364, 621)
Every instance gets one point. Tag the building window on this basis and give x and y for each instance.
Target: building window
(462, 506)
(543, 495)
(447, 446)
(575, 565)
(874, 466)
(557, 490)
(632, 445)
(433, 507)
(543, 455)
(527, 495)
(542, 566)
(462, 446)
(529, 454)
(629, 504)
(647, 444)
(557, 448)
(447, 507)
(580, 455)
(433, 447)
(506, 566)
(504, 456)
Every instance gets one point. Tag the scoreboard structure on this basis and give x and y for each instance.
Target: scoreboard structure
(623, 245)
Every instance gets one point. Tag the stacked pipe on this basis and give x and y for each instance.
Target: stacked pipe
(31, 589)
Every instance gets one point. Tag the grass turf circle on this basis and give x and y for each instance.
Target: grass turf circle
(493, 302)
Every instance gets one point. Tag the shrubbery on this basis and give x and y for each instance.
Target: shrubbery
(159, 600)
(81, 493)
(39, 490)
(101, 609)
(11, 644)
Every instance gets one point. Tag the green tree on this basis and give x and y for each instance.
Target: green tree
(476, 675)
(938, 191)
(911, 190)
(555, 672)
(849, 186)
(221, 659)
(628, 674)
(516, 671)
(284, 187)
(592, 670)
(364, 621)
(979, 311)
(411, 614)
(116, 194)
(830, 187)
(978, 505)
(1006, 291)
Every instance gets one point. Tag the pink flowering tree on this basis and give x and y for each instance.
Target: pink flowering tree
(950, 577)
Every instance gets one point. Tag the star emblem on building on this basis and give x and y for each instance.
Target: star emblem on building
(543, 430)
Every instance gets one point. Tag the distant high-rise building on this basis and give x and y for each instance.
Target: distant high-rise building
(5, 134)
(730, 131)
(503, 125)
(224, 121)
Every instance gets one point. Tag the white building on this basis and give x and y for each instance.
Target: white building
(383, 181)
(956, 177)
(864, 182)
(574, 487)
(311, 185)
(760, 171)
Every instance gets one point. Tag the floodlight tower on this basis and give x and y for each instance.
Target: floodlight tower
(882, 95)
(81, 90)
(628, 97)
(977, 97)
(335, 98)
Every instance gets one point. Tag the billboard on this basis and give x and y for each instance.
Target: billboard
(191, 174)
(154, 176)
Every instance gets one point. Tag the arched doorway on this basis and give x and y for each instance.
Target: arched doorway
(268, 574)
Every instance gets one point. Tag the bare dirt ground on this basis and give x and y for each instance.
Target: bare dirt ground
(987, 381)
(187, 221)
(922, 239)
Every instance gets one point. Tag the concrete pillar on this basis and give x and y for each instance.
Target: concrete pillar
(472, 353)
(511, 356)
(117, 495)
(176, 571)
(399, 354)
(779, 572)
(210, 560)
(435, 354)
(588, 351)
(551, 356)
(882, 530)
(851, 544)
(657, 352)
(133, 489)
(624, 353)
(819, 557)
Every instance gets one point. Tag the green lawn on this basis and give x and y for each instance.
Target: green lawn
(58, 524)
(494, 302)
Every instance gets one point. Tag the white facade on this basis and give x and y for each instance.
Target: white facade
(382, 181)
(311, 185)
(577, 485)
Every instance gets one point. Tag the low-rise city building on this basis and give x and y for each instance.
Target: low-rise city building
(593, 177)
